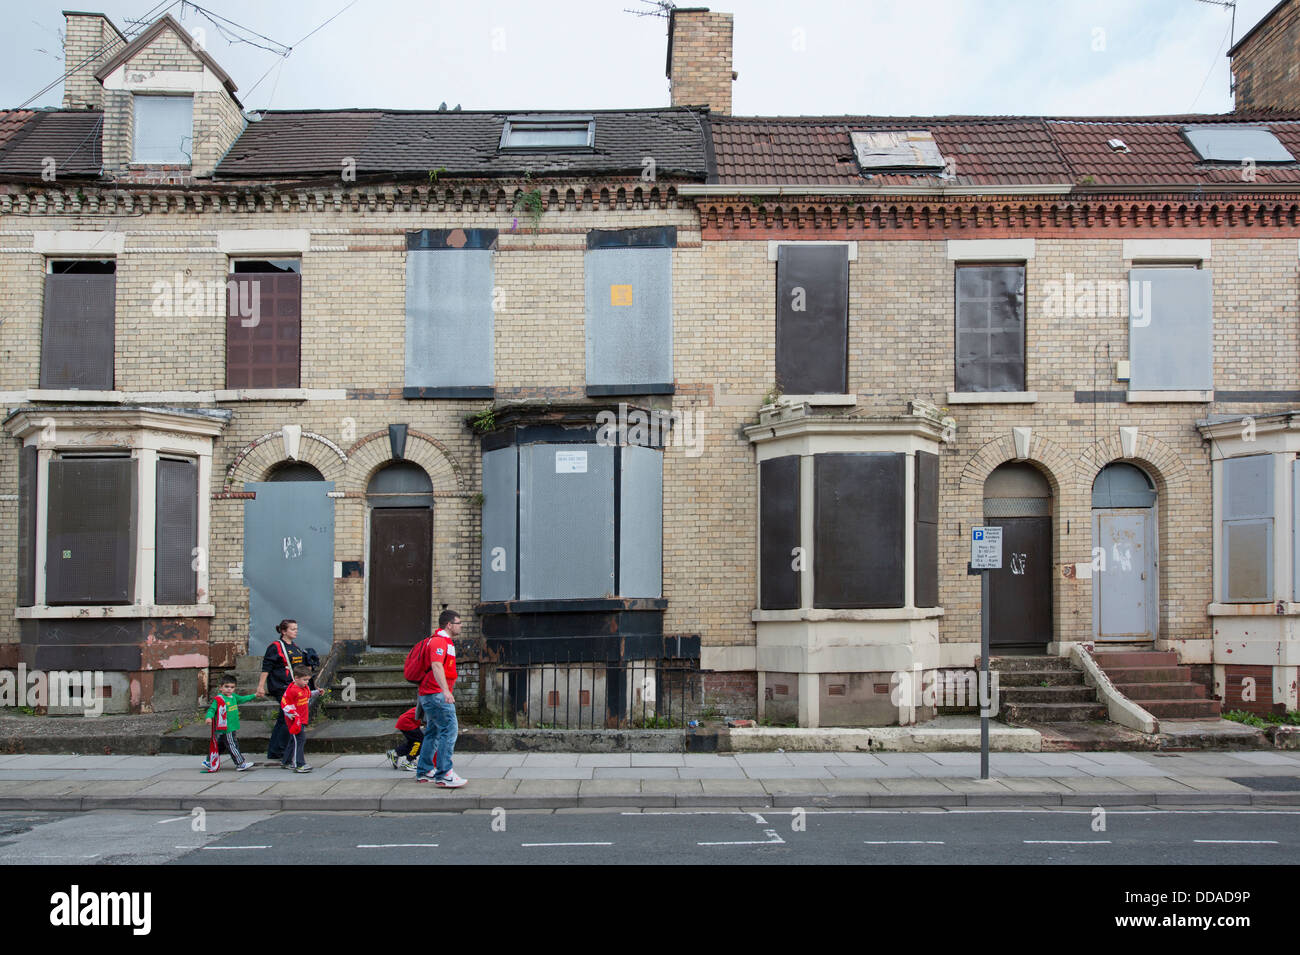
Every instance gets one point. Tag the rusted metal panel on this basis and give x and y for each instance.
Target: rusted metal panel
(925, 558)
(990, 332)
(27, 505)
(90, 558)
(77, 331)
(859, 511)
(812, 316)
(176, 532)
(401, 552)
(263, 351)
(781, 563)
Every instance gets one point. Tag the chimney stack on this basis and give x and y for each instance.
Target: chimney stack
(89, 41)
(699, 58)
(1265, 62)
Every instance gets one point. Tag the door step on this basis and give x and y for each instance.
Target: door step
(1040, 689)
(1155, 681)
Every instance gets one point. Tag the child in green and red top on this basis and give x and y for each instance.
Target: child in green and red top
(228, 700)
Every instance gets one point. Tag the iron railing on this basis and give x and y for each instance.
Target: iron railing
(636, 694)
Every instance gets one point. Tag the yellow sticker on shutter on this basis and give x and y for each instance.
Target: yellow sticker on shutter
(620, 295)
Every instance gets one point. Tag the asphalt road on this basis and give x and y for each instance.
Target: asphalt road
(612, 837)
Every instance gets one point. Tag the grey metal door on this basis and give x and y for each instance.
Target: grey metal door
(1123, 574)
(289, 562)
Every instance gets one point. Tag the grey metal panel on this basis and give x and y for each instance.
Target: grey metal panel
(1295, 530)
(990, 336)
(925, 558)
(500, 521)
(1122, 485)
(566, 521)
(27, 504)
(1235, 143)
(858, 505)
(641, 531)
(176, 532)
(77, 331)
(90, 550)
(289, 562)
(1248, 486)
(778, 533)
(812, 315)
(1248, 561)
(449, 321)
(1171, 330)
(629, 344)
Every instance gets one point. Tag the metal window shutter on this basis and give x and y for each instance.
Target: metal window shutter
(778, 529)
(1171, 330)
(566, 521)
(264, 355)
(925, 558)
(629, 316)
(990, 332)
(500, 523)
(449, 318)
(77, 332)
(90, 550)
(27, 504)
(640, 522)
(812, 319)
(858, 507)
(1248, 528)
(176, 533)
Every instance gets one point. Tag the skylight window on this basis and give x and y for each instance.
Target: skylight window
(548, 132)
(913, 150)
(1235, 144)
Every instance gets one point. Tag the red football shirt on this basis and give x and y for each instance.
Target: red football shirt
(441, 650)
(408, 721)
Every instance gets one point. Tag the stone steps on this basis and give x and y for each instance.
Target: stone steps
(1047, 694)
(1051, 712)
(1041, 689)
(1155, 681)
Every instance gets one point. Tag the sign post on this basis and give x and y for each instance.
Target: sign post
(985, 555)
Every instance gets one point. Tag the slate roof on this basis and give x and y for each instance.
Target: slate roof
(70, 137)
(307, 143)
(991, 150)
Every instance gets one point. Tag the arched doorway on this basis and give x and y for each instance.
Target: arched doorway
(1124, 578)
(1018, 499)
(400, 565)
(295, 471)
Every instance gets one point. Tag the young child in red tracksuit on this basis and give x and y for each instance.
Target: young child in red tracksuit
(412, 729)
(296, 706)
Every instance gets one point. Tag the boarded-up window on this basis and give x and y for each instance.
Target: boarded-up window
(263, 329)
(500, 523)
(27, 505)
(926, 554)
(990, 328)
(77, 328)
(566, 521)
(812, 319)
(176, 532)
(90, 536)
(629, 324)
(859, 511)
(1247, 500)
(163, 130)
(640, 522)
(1171, 329)
(449, 313)
(778, 530)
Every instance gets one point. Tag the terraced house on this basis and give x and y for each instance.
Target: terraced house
(666, 387)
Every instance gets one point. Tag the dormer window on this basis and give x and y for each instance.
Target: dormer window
(548, 132)
(163, 130)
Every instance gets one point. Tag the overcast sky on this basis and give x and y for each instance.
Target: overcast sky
(890, 57)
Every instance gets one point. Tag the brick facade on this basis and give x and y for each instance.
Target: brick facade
(1265, 63)
(699, 59)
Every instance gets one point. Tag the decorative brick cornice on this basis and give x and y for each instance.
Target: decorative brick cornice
(938, 217)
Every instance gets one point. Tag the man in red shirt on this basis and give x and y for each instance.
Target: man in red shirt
(439, 706)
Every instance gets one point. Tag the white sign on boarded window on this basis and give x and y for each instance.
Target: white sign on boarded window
(570, 462)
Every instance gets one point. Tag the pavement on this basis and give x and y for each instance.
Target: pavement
(366, 782)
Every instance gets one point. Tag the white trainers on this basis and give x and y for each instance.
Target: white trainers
(451, 781)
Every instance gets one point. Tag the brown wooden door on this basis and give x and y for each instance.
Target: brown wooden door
(401, 570)
(1020, 594)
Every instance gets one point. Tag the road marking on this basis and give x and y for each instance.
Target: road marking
(758, 818)
(774, 839)
(1066, 842)
(398, 845)
(177, 819)
(1244, 842)
(536, 845)
(228, 847)
(901, 842)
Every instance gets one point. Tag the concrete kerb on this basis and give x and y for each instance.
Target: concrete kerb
(885, 739)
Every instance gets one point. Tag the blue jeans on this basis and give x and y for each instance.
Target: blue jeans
(440, 731)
